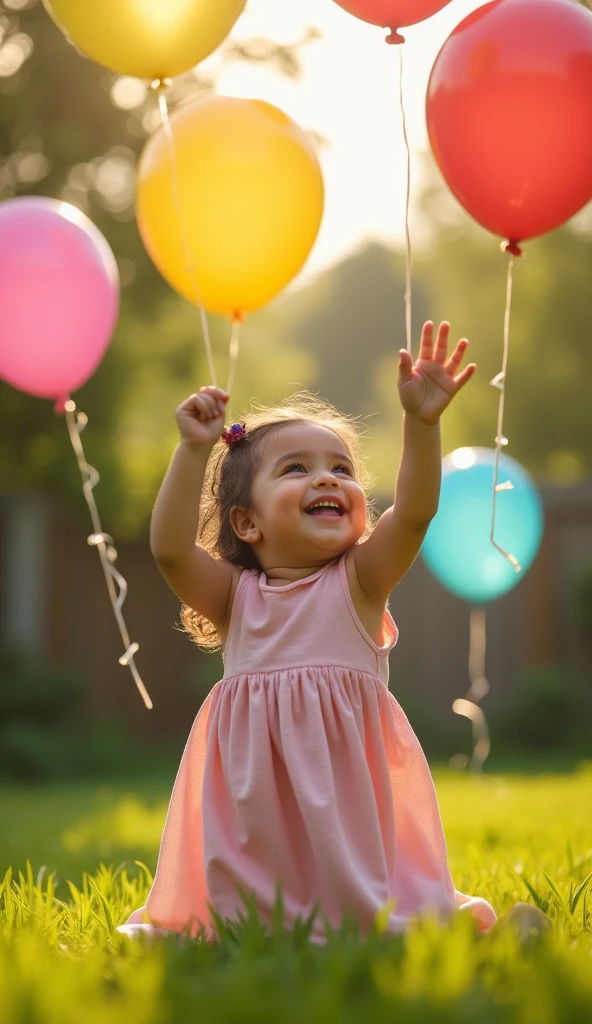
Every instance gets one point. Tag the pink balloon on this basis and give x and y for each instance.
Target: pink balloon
(393, 14)
(59, 296)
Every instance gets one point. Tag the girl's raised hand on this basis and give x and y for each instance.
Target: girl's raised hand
(200, 418)
(427, 387)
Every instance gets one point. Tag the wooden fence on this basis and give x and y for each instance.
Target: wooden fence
(54, 604)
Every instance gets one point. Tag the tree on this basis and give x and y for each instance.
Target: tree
(352, 320)
(548, 417)
(71, 129)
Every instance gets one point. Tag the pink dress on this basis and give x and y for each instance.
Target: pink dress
(302, 769)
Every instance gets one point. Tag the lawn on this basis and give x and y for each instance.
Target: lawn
(511, 837)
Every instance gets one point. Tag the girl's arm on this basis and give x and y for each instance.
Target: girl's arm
(426, 389)
(202, 582)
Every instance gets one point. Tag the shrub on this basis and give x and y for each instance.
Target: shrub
(39, 740)
(546, 710)
(105, 749)
(35, 693)
(440, 736)
(582, 602)
(203, 674)
(29, 753)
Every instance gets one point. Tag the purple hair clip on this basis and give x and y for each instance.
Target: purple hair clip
(237, 432)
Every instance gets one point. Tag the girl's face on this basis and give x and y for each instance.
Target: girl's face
(307, 506)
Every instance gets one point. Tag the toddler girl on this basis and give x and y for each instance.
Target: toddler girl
(301, 768)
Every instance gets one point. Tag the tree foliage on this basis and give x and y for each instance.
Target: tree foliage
(72, 129)
(68, 128)
(548, 414)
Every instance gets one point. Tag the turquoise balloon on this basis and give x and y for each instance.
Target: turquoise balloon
(457, 547)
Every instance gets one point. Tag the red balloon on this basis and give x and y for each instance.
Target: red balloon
(509, 113)
(393, 14)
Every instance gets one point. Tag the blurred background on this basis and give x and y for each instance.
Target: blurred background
(70, 129)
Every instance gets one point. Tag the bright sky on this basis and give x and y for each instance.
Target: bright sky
(349, 93)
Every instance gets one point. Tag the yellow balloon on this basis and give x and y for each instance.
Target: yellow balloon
(251, 193)
(146, 38)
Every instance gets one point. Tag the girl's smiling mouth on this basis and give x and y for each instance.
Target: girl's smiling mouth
(330, 507)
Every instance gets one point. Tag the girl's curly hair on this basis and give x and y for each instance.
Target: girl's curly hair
(229, 478)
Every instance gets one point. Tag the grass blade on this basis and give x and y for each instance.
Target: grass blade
(576, 896)
(556, 892)
(539, 901)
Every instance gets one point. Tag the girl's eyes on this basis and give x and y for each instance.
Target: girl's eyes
(298, 465)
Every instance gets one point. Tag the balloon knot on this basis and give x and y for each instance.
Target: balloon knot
(394, 38)
(160, 85)
(60, 405)
(512, 248)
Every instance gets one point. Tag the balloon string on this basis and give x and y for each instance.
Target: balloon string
(233, 352)
(499, 382)
(409, 256)
(468, 707)
(161, 86)
(104, 543)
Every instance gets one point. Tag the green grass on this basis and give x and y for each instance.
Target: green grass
(509, 838)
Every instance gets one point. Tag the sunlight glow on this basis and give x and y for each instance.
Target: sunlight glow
(14, 53)
(347, 94)
(73, 214)
(164, 15)
(128, 93)
(463, 458)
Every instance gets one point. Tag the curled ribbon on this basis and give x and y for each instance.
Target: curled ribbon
(76, 423)
(468, 706)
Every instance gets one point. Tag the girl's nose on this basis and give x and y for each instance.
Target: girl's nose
(325, 478)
